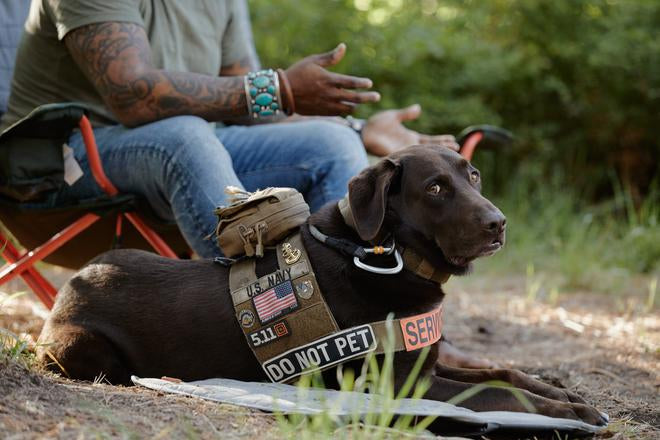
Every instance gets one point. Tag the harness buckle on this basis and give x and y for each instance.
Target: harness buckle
(381, 250)
(381, 270)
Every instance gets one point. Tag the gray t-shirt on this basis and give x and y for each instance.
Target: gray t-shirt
(199, 36)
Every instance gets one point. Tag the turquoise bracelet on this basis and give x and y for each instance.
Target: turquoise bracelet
(262, 90)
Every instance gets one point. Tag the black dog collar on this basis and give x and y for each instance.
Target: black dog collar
(410, 259)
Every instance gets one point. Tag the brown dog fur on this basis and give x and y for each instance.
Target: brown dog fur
(131, 312)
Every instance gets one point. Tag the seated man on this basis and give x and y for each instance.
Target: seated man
(155, 74)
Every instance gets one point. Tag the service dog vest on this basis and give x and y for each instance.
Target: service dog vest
(292, 331)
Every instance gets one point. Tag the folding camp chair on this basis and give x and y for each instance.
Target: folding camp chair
(42, 134)
(67, 235)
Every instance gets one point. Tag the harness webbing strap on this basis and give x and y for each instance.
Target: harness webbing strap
(409, 333)
(296, 242)
(240, 275)
(345, 210)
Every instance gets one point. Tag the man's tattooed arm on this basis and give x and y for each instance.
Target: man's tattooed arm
(242, 67)
(116, 57)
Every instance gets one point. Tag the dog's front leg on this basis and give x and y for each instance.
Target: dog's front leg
(514, 377)
(502, 399)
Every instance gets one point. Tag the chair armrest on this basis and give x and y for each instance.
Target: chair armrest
(46, 122)
(485, 136)
(492, 136)
(31, 160)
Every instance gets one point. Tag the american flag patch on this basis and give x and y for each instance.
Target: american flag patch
(275, 302)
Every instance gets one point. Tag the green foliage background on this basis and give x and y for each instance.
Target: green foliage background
(577, 81)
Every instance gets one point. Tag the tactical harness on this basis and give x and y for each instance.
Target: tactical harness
(289, 326)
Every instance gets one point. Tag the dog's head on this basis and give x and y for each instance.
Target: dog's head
(430, 198)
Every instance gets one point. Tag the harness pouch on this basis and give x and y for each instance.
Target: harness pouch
(258, 219)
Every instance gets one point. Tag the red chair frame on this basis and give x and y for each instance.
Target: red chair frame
(23, 264)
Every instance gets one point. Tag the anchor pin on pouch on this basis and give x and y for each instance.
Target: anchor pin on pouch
(291, 255)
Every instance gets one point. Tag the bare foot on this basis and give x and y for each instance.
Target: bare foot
(453, 357)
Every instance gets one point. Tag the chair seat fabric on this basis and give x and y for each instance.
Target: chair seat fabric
(31, 155)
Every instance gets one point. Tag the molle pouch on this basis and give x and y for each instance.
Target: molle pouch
(255, 220)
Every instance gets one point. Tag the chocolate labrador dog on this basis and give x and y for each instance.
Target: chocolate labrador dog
(131, 312)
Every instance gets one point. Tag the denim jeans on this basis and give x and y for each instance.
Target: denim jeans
(181, 166)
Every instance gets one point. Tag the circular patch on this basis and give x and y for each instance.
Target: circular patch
(305, 289)
(246, 318)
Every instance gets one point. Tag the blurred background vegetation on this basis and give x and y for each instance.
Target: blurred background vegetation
(576, 81)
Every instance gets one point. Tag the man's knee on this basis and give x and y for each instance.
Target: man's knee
(339, 144)
(188, 140)
(184, 131)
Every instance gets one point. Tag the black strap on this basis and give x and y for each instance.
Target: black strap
(342, 245)
(227, 262)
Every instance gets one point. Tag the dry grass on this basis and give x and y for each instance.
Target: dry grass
(605, 347)
(34, 404)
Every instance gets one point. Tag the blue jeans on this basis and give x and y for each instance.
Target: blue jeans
(182, 165)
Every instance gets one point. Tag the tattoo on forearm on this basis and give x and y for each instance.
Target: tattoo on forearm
(116, 57)
(241, 67)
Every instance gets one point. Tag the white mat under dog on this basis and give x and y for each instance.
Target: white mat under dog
(288, 399)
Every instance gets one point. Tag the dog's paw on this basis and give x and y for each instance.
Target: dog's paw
(563, 395)
(575, 411)
(552, 390)
(589, 414)
(573, 397)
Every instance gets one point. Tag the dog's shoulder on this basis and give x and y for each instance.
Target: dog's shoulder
(123, 256)
(141, 266)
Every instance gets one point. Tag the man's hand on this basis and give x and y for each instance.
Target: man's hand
(317, 91)
(385, 133)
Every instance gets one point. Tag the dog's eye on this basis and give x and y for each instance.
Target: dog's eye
(434, 189)
(474, 177)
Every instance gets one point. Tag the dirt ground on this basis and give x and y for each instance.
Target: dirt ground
(606, 348)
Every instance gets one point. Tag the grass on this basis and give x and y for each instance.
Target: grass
(374, 378)
(380, 420)
(14, 348)
(562, 243)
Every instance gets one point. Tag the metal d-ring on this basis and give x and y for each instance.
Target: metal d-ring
(381, 270)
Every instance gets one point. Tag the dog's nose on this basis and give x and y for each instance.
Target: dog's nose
(494, 221)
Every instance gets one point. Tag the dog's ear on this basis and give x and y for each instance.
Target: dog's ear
(367, 195)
